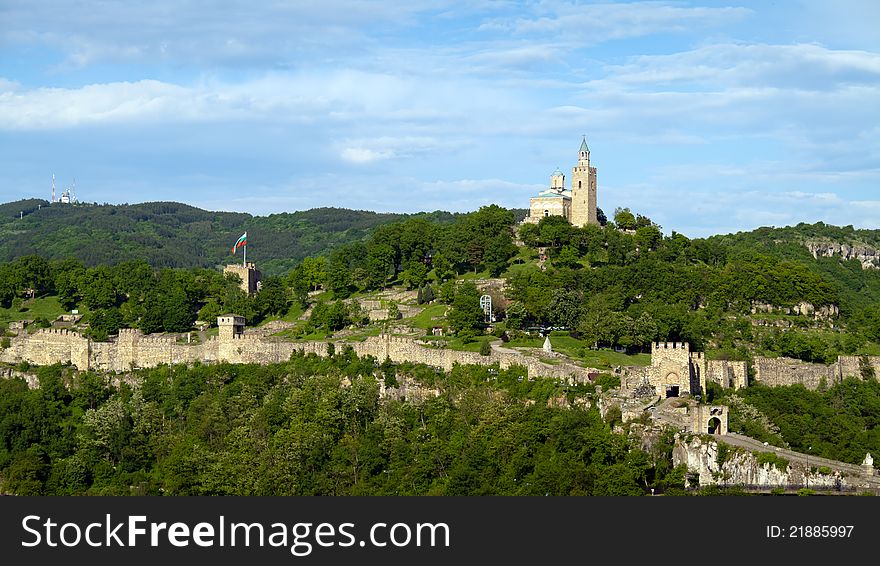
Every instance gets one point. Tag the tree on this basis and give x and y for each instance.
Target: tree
(443, 267)
(567, 257)
(314, 272)
(393, 311)
(648, 238)
(177, 311)
(485, 347)
(427, 294)
(498, 250)
(466, 316)
(565, 308)
(516, 315)
(272, 298)
(97, 287)
(624, 219)
(415, 275)
(104, 322)
(555, 231)
(530, 235)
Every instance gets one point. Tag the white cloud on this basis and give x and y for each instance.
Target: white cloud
(47, 108)
(799, 66)
(594, 23)
(364, 155)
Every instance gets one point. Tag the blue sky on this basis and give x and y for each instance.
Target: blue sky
(708, 117)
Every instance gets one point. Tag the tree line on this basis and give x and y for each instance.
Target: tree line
(292, 429)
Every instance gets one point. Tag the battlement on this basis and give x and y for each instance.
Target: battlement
(396, 339)
(230, 319)
(59, 332)
(670, 346)
(130, 331)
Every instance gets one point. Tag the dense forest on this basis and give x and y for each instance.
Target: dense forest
(292, 429)
(170, 234)
(839, 422)
(622, 285)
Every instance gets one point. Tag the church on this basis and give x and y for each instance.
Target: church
(577, 204)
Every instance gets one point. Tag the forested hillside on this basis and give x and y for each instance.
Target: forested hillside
(292, 429)
(622, 285)
(170, 234)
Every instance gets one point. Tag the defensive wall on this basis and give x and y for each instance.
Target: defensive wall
(673, 364)
(132, 349)
(676, 370)
(789, 371)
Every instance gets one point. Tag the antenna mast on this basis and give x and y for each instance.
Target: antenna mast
(53, 187)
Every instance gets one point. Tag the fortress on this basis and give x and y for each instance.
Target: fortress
(578, 204)
(250, 277)
(675, 370)
(132, 349)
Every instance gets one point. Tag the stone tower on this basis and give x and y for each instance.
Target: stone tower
(249, 275)
(583, 189)
(230, 326)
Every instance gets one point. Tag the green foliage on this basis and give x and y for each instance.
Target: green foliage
(725, 452)
(771, 458)
(644, 286)
(466, 317)
(291, 429)
(168, 234)
(485, 347)
(393, 311)
(624, 219)
(104, 322)
(839, 423)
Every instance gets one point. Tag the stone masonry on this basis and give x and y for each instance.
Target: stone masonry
(676, 370)
(132, 349)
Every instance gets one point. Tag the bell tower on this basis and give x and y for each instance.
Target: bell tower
(583, 189)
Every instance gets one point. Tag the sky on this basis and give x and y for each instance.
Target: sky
(707, 117)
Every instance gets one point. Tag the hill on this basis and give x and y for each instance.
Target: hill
(170, 234)
(848, 258)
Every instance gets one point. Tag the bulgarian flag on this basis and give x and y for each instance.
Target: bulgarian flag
(241, 242)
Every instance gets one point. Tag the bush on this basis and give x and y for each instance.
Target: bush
(5, 342)
(771, 458)
(485, 348)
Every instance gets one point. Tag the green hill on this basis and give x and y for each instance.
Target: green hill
(169, 234)
(842, 256)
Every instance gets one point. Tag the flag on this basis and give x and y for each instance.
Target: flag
(241, 242)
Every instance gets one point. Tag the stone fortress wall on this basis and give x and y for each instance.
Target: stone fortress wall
(673, 364)
(132, 349)
(789, 371)
(676, 370)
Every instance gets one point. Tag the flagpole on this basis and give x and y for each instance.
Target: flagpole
(244, 261)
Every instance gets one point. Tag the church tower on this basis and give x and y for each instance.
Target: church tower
(583, 189)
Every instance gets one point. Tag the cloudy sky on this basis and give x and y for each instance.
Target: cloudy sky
(709, 117)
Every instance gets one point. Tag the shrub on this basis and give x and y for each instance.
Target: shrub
(485, 348)
(771, 458)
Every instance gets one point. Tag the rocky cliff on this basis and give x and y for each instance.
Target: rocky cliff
(716, 463)
(867, 255)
